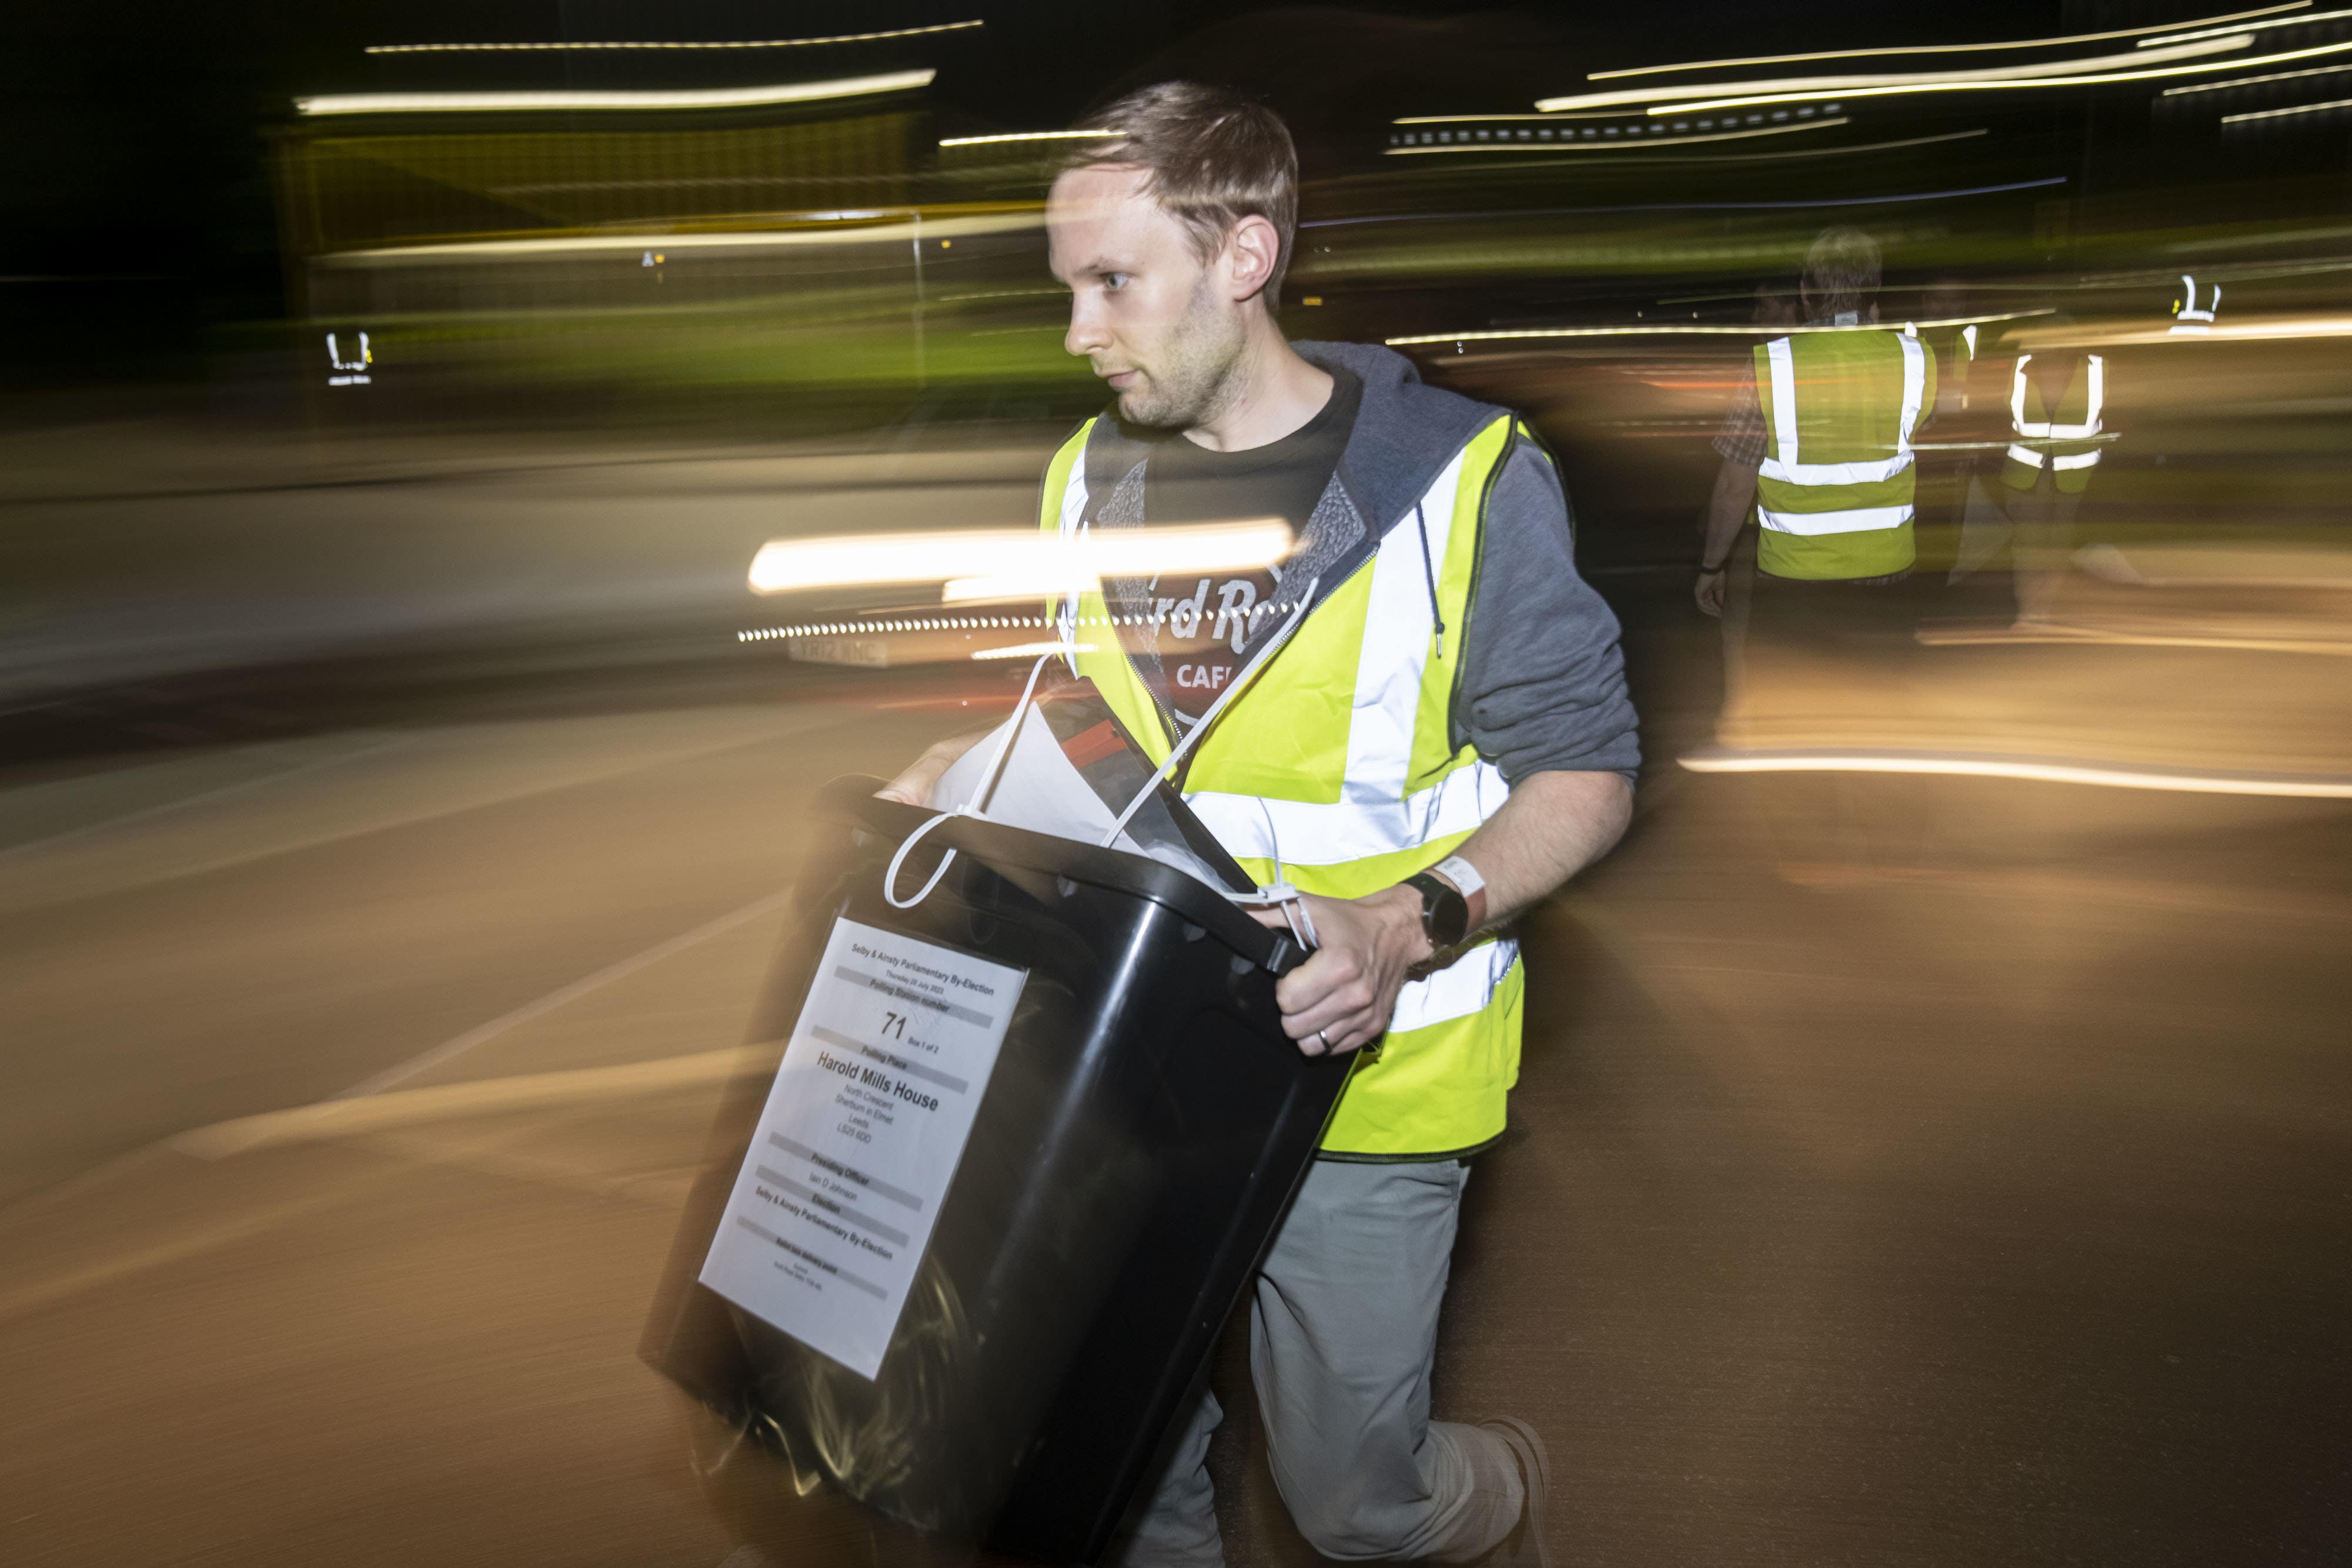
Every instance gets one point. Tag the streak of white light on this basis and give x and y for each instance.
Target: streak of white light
(1645, 145)
(2176, 35)
(1836, 86)
(1451, 118)
(696, 97)
(729, 44)
(1025, 556)
(2282, 113)
(1699, 107)
(843, 228)
(1934, 48)
(1687, 329)
(1027, 136)
(1032, 649)
(1968, 765)
(2249, 81)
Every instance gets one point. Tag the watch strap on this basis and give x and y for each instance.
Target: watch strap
(1465, 875)
(1433, 894)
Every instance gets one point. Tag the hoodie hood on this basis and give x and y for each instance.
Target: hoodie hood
(1406, 430)
(1404, 435)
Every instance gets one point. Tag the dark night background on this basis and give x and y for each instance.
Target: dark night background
(135, 211)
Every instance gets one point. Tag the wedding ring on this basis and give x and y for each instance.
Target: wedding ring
(1325, 1038)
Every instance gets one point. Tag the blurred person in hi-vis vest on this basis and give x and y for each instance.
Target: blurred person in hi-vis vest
(1442, 737)
(1819, 443)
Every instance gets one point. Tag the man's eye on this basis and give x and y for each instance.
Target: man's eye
(1115, 281)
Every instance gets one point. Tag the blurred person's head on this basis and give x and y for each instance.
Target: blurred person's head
(1775, 306)
(1841, 274)
(1173, 232)
(1945, 299)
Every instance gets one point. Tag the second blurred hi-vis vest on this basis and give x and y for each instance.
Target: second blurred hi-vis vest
(1835, 491)
(2066, 438)
(1338, 757)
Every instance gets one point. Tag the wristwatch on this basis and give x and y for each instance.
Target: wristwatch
(1444, 912)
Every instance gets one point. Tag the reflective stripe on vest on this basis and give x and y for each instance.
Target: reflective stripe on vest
(2065, 445)
(2188, 320)
(1338, 760)
(1835, 492)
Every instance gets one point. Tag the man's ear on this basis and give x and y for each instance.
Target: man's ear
(1252, 251)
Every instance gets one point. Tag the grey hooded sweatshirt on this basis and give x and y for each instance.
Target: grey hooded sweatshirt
(1542, 687)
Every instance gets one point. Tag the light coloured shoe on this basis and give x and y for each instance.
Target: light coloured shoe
(1525, 1547)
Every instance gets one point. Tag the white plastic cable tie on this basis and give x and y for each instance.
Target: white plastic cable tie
(982, 795)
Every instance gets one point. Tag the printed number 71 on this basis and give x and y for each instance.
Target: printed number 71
(894, 1025)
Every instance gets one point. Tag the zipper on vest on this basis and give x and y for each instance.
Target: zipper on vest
(1429, 575)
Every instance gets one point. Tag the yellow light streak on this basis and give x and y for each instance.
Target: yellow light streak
(2052, 770)
(2282, 113)
(702, 97)
(1027, 136)
(1644, 145)
(1691, 329)
(2100, 80)
(1010, 563)
(2249, 81)
(741, 44)
(2176, 36)
(1931, 48)
(1838, 85)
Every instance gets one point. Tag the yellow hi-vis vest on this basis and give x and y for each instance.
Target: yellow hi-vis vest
(2063, 439)
(1833, 493)
(1337, 758)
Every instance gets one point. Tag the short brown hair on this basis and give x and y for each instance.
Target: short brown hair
(1842, 271)
(1214, 158)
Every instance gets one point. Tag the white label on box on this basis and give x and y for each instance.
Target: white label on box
(860, 1137)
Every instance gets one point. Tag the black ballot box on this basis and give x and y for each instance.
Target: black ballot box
(963, 1257)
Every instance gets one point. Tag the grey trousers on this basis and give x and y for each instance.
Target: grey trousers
(1343, 1327)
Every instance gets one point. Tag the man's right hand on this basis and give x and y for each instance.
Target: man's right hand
(1709, 591)
(914, 787)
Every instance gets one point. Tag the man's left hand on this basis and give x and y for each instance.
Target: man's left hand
(1341, 999)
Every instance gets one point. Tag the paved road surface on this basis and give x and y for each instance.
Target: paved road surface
(1905, 1170)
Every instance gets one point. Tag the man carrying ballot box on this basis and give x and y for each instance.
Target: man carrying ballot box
(1441, 738)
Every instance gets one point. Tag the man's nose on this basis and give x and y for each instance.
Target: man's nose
(1085, 334)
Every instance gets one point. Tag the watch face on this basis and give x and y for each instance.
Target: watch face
(1444, 914)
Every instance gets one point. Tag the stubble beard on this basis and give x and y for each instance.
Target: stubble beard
(1198, 373)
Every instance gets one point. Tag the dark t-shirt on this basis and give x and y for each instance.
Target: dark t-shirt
(1202, 624)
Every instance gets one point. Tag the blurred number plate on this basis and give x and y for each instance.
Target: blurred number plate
(860, 1137)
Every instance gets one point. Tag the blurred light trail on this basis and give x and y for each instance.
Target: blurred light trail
(1964, 636)
(2282, 113)
(2176, 36)
(2098, 80)
(1032, 649)
(1022, 563)
(2291, 328)
(859, 227)
(1461, 119)
(2047, 770)
(697, 98)
(729, 44)
(1026, 136)
(1778, 90)
(2249, 81)
(1937, 49)
(1691, 328)
(1699, 207)
(1671, 139)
